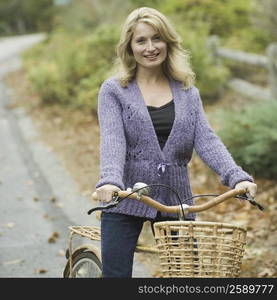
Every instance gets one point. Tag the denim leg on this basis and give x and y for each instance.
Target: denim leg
(119, 235)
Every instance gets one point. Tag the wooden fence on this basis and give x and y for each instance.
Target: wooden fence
(269, 62)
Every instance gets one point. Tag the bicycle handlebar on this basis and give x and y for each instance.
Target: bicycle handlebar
(171, 209)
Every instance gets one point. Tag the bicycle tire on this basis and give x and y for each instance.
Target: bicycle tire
(84, 265)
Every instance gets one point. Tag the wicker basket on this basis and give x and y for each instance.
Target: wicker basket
(199, 249)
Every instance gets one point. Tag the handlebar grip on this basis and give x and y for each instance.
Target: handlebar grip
(94, 196)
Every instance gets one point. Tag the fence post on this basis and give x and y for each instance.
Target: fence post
(213, 44)
(271, 52)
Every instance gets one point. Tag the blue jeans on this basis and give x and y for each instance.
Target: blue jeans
(119, 235)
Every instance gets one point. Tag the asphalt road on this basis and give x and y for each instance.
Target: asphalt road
(39, 199)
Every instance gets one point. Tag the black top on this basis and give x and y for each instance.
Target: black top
(162, 118)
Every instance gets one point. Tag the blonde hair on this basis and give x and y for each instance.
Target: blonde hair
(176, 65)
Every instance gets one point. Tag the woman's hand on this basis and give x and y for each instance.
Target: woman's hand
(250, 187)
(105, 192)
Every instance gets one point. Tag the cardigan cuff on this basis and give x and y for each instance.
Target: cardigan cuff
(112, 181)
(235, 176)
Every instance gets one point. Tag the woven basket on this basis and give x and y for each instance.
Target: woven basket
(199, 249)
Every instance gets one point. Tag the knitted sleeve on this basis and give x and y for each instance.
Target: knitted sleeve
(112, 137)
(213, 152)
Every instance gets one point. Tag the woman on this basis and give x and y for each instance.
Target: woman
(151, 118)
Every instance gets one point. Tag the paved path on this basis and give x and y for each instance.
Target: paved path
(38, 196)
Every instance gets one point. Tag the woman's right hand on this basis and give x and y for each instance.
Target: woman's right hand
(105, 192)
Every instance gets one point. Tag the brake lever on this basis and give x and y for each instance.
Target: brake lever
(115, 201)
(255, 203)
(252, 201)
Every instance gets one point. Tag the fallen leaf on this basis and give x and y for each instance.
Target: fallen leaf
(59, 204)
(53, 237)
(41, 271)
(46, 216)
(56, 234)
(53, 199)
(13, 262)
(10, 225)
(61, 252)
(51, 240)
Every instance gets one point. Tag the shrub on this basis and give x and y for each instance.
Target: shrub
(265, 17)
(22, 17)
(210, 78)
(251, 137)
(69, 69)
(220, 17)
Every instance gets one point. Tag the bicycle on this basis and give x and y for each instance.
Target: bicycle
(186, 248)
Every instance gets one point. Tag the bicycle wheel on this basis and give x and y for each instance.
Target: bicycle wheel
(84, 265)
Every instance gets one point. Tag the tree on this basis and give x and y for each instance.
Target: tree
(20, 17)
(265, 16)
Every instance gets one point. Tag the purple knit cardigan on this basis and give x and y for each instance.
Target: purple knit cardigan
(130, 151)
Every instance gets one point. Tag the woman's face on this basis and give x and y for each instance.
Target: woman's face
(148, 48)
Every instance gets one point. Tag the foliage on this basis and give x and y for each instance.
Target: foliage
(210, 78)
(251, 136)
(20, 17)
(78, 16)
(265, 17)
(148, 3)
(83, 16)
(221, 17)
(71, 69)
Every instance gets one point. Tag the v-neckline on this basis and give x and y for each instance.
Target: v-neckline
(156, 108)
(162, 151)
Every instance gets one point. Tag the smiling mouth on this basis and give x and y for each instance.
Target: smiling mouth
(152, 56)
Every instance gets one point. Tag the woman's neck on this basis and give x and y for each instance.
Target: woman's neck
(150, 76)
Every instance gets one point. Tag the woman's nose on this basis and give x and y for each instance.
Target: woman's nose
(150, 46)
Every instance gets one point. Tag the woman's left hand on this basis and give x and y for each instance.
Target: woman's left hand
(250, 187)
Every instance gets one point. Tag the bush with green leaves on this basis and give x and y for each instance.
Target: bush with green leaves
(251, 137)
(210, 78)
(69, 69)
(22, 17)
(220, 17)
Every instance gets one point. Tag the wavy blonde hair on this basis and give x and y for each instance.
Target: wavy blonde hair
(177, 63)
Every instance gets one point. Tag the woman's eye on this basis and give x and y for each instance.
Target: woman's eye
(156, 38)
